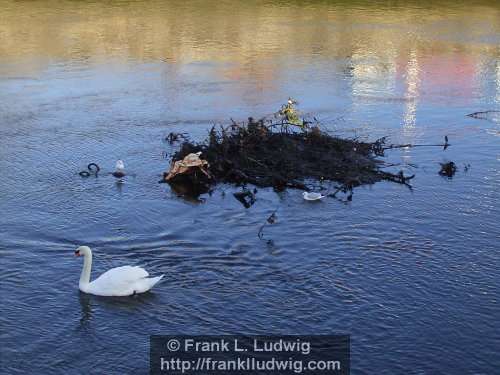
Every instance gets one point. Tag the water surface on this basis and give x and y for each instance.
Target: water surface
(411, 275)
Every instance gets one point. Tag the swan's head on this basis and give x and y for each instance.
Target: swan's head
(82, 251)
(120, 166)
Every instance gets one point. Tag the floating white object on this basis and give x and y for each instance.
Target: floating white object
(312, 196)
(118, 282)
(120, 166)
(119, 169)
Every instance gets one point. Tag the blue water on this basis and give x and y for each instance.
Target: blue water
(412, 276)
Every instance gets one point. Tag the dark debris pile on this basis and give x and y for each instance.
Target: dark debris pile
(283, 156)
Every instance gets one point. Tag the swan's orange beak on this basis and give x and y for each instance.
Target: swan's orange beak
(77, 253)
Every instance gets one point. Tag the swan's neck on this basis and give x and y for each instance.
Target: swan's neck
(87, 265)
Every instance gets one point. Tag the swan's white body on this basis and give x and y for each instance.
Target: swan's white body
(119, 281)
(311, 196)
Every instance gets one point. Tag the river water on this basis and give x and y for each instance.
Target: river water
(412, 276)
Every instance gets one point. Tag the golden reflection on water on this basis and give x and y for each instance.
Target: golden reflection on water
(498, 82)
(225, 30)
(431, 47)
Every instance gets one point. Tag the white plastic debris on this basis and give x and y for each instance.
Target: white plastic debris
(312, 196)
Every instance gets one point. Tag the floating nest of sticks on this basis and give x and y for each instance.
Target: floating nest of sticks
(280, 155)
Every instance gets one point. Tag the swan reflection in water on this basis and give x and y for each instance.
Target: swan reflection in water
(91, 305)
(86, 306)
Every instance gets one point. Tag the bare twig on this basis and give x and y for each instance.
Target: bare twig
(409, 145)
(270, 220)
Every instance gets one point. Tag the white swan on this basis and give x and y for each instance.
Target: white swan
(119, 281)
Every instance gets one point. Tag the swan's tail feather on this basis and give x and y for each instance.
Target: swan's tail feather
(145, 284)
(155, 280)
